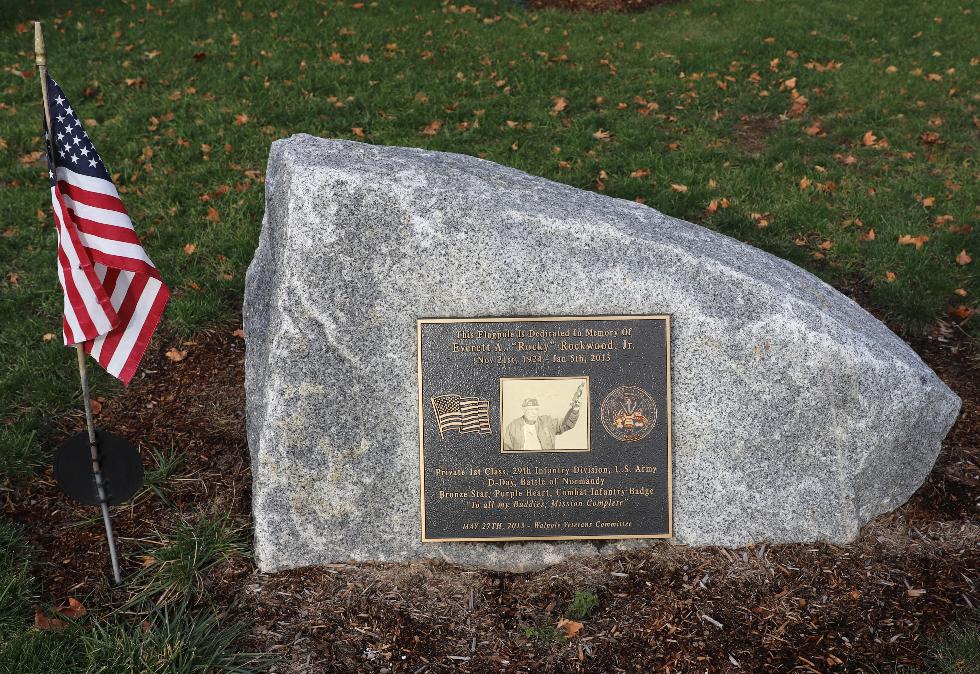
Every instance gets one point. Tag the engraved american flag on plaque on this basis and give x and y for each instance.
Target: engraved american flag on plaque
(467, 415)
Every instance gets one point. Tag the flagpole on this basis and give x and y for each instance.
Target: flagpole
(40, 58)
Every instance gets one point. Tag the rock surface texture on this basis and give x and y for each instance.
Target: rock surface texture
(797, 416)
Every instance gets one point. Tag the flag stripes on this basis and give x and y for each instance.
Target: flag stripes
(114, 297)
(466, 415)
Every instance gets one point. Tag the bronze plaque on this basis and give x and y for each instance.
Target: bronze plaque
(544, 428)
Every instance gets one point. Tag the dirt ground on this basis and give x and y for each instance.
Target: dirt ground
(800, 608)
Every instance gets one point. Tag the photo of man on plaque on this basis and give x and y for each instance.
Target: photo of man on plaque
(544, 414)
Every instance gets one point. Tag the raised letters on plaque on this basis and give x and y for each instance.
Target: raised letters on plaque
(544, 428)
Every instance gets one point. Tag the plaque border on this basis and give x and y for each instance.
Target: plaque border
(516, 319)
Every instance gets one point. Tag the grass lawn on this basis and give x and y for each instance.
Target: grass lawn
(842, 136)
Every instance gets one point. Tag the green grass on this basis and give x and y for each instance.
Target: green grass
(172, 637)
(692, 94)
(156, 480)
(16, 583)
(172, 81)
(172, 640)
(582, 604)
(177, 569)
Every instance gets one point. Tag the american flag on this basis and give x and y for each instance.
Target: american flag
(114, 296)
(467, 415)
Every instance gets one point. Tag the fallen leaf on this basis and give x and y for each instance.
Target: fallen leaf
(712, 206)
(213, 214)
(640, 173)
(677, 187)
(916, 592)
(868, 139)
(189, 248)
(48, 336)
(74, 610)
(804, 183)
(868, 236)
(96, 407)
(175, 355)
(929, 202)
(240, 333)
(42, 621)
(357, 131)
(601, 135)
(569, 627)
(961, 312)
(890, 277)
(963, 258)
(960, 291)
(560, 104)
(241, 119)
(432, 128)
(917, 241)
(30, 157)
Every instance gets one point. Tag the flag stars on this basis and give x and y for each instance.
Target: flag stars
(84, 151)
(59, 100)
(74, 158)
(69, 110)
(91, 162)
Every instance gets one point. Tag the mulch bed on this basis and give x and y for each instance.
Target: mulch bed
(806, 608)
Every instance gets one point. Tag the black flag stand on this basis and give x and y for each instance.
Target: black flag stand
(93, 443)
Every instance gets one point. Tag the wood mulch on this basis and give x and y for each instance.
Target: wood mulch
(805, 608)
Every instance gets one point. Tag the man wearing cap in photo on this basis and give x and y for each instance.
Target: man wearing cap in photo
(535, 432)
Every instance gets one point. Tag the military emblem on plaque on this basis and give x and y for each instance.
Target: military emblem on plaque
(629, 413)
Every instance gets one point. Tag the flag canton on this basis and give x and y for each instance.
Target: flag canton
(73, 149)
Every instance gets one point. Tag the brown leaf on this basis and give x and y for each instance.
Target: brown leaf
(42, 621)
(677, 187)
(240, 333)
(805, 183)
(889, 277)
(917, 241)
(961, 312)
(30, 157)
(357, 131)
(560, 104)
(712, 206)
(960, 291)
(602, 135)
(175, 355)
(868, 236)
(190, 248)
(432, 128)
(74, 610)
(963, 258)
(639, 173)
(96, 408)
(868, 139)
(929, 202)
(241, 119)
(213, 214)
(48, 336)
(569, 627)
